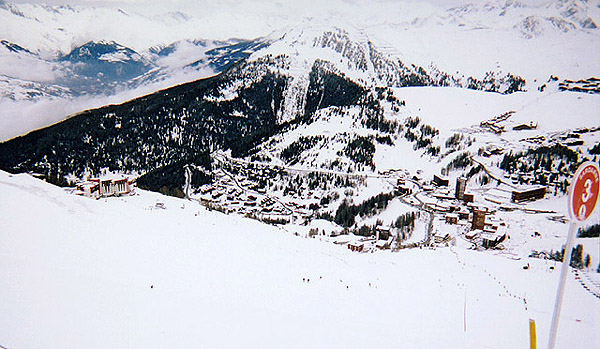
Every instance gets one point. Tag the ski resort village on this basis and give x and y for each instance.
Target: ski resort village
(306, 174)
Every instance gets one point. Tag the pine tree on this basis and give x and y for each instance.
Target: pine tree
(587, 261)
(577, 257)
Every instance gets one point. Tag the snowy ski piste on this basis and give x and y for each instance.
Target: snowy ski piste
(121, 272)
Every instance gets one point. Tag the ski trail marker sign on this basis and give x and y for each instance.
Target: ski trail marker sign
(583, 197)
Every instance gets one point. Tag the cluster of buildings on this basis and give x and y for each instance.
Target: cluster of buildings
(494, 123)
(104, 187)
(241, 195)
(382, 241)
(481, 226)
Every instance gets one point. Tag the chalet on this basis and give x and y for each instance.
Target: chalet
(441, 207)
(463, 214)
(498, 129)
(492, 240)
(383, 244)
(493, 150)
(440, 181)
(428, 188)
(89, 189)
(356, 246)
(468, 197)
(206, 189)
(478, 221)
(473, 234)
(382, 233)
(266, 201)
(402, 190)
(530, 126)
(572, 143)
(531, 193)
(452, 218)
(490, 228)
(441, 196)
(581, 130)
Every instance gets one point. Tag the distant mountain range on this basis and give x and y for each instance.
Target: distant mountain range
(70, 60)
(105, 67)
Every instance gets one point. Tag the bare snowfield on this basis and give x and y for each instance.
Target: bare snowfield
(120, 273)
(452, 109)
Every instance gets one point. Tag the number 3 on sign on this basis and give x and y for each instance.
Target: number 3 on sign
(584, 191)
(587, 194)
(585, 197)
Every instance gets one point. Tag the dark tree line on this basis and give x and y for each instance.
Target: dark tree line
(361, 150)
(291, 153)
(577, 258)
(405, 224)
(461, 161)
(540, 158)
(593, 231)
(170, 179)
(346, 212)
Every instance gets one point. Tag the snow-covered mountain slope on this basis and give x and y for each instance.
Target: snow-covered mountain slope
(98, 63)
(22, 90)
(67, 54)
(65, 27)
(331, 144)
(389, 41)
(534, 39)
(20, 63)
(307, 78)
(123, 272)
(532, 18)
(99, 73)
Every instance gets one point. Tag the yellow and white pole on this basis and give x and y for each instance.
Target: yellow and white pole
(532, 335)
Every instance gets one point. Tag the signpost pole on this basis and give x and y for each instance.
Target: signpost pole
(561, 284)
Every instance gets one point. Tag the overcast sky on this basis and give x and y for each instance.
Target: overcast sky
(257, 9)
(194, 3)
(222, 19)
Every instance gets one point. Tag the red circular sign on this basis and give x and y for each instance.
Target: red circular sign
(583, 196)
